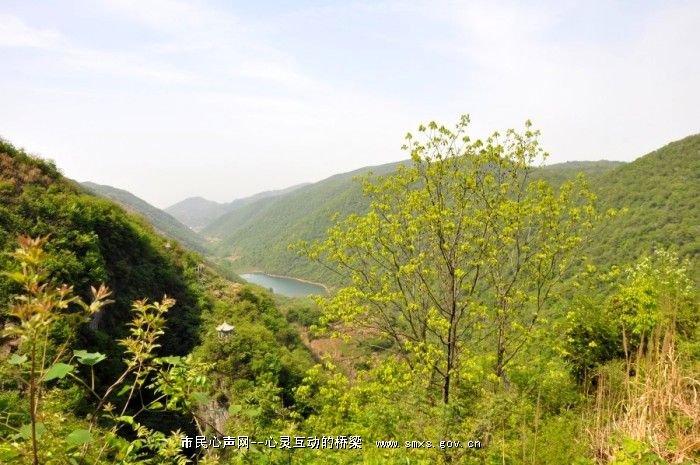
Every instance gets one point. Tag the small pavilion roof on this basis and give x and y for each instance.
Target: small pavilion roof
(225, 327)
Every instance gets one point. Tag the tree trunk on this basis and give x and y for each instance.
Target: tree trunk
(448, 374)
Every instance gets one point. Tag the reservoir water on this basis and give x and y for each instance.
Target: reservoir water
(289, 287)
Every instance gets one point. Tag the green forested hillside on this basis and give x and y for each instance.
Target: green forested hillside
(460, 329)
(163, 222)
(257, 237)
(460, 272)
(661, 191)
(337, 193)
(90, 241)
(561, 172)
(198, 212)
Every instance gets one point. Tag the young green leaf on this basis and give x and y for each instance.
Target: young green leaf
(79, 437)
(59, 370)
(17, 359)
(88, 358)
(172, 360)
(25, 431)
(251, 412)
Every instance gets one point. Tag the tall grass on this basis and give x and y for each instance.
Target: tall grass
(649, 404)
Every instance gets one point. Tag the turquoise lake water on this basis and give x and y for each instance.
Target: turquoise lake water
(284, 286)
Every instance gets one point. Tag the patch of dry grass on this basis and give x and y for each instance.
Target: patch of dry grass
(655, 400)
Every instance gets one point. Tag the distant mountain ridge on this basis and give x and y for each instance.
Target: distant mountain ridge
(198, 212)
(257, 236)
(660, 190)
(325, 196)
(163, 222)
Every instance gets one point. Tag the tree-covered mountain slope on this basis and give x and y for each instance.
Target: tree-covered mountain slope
(257, 236)
(661, 192)
(198, 212)
(89, 241)
(325, 197)
(163, 222)
(560, 172)
(92, 241)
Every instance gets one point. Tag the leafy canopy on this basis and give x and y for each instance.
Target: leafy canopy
(459, 251)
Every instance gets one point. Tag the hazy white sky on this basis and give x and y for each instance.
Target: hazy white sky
(170, 99)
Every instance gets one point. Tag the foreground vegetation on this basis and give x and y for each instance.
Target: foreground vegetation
(472, 311)
(93, 241)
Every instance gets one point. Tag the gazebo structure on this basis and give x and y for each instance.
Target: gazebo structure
(224, 329)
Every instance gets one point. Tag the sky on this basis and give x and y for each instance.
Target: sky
(222, 99)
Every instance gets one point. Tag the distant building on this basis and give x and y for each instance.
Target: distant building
(224, 329)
